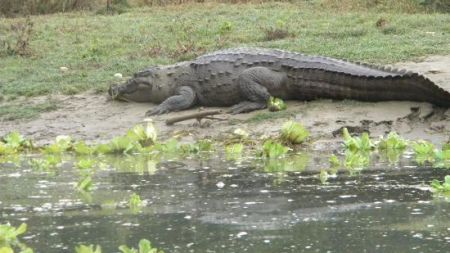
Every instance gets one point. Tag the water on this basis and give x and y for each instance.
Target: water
(213, 205)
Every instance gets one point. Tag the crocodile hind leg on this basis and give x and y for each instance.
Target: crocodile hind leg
(254, 85)
(184, 99)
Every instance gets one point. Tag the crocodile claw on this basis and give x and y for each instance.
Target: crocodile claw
(247, 106)
(157, 111)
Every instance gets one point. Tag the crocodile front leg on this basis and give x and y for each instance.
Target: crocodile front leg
(253, 85)
(184, 99)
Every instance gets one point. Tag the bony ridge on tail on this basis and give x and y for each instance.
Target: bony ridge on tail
(245, 78)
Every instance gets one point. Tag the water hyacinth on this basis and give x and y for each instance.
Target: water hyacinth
(145, 246)
(135, 203)
(393, 141)
(9, 240)
(81, 148)
(234, 151)
(356, 144)
(443, 188)
(293, 132)
(88, 249)
(145, 135)
(424, 151)
(273, 149)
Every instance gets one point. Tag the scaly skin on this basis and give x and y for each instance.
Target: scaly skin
(247, 77)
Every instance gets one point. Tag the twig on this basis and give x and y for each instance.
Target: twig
(197, 115)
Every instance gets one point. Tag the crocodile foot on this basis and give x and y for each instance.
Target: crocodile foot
(247, 106)
(160, 109)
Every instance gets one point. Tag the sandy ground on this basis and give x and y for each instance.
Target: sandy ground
(93, 118)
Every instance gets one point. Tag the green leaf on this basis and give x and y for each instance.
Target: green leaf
(234, 151)
(88, 249)
(123, 144)
(145, 246)
(145, 136)
(6, 149)
(14, 140)
(125, 249)
(135, 202)
(102, 149)
(273, 149)
(21, 229)
(293, 132)
(393, 141)
(81, 148)
(85, 164)
(85, 184)
(355, 144)
(323, 176)
(26, 250)
(6, 250)
(334, 161)
(276, 104)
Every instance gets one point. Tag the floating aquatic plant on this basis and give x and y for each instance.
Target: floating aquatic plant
(144, 135)
(424, 152)
(123, 144)
(443, 187)
(442, 159)
(323, 176)
(135, 202)
(62, 143)
(145, 246)
(9, 240)
(16, 140)
(334, 161)
(85, 184)
(273, 149)
(294, 133)
(46, 163)
(88, 249)
(356, 144)
(81, 148)
(234, 151)
(85, 164)
(356, 160)
(13, 143)
(392, 141)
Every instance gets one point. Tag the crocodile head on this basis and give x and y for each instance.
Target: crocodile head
(138, 88)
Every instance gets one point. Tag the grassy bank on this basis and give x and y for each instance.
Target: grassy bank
(94, 47)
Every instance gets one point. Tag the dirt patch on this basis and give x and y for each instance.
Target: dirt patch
(93, 118)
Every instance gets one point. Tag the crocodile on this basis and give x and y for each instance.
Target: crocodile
(246, 78)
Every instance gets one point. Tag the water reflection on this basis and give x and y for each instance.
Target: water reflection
(215, 205)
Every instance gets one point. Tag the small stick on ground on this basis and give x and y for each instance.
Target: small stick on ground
(197, 115)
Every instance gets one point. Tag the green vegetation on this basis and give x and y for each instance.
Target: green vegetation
(9, 240)
(272, 149)
(293, 133)
(88, 249)
(73, 52)
(393, 141)
(424, 152)
(357, 144)
(276, 104)
(234, 151)
(135, 203)
(145, 246)
(441, 188)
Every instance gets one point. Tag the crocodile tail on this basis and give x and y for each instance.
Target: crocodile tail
(401, 86)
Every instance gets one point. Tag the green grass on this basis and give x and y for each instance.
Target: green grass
(18, 111)
(95, 47)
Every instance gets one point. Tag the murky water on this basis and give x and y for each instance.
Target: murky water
(213, 205)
